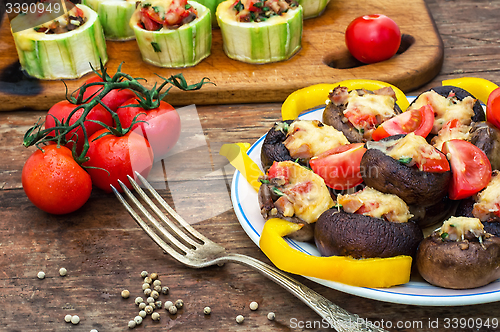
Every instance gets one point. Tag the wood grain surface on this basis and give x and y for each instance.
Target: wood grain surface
(104, 250)
(323, 59)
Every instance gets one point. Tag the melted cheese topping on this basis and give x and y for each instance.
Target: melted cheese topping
(446, 109)
(411, 146)
(378, 106)
(308, 138)
(488, 200)
(456, 228)
(445, 134)
(305, 195)
(373, 203)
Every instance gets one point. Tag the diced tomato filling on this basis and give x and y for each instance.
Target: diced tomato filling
(360, 120)
(278, 171)
(154, 18)
(302, 187)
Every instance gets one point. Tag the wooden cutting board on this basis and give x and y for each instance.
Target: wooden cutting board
(323, 59)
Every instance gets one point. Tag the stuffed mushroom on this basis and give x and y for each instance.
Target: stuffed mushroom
(407, 166)
(292, 192)
(299, 140)
(358, 112)
(459, 255)
(367, 224)
(487, 137)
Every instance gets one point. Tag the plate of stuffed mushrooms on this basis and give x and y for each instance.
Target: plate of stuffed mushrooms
(398, 183)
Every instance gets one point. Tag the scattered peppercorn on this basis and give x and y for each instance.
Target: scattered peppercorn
(138, 320)
(157, 283)
(158, 304)
(165, 290)
(254, 306)
(271, 316)
(155, 295)
(154, 276)
(75, 319)
(150, 300)
(125, 294)
(67, 318)
(149, 309)
(41, 275)
(240, 319)
(142, 313)
(168, 304)
(144, 274)
(142, 305)
(94, 330)
(155, 316)
(62, 271)
(157, 289)
(147, 292)
(179, 304)
(207, 310)
(146, 286)
(131, 324)
(172, 309)
(148, 280)
(139, 300)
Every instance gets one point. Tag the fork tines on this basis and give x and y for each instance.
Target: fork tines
(161, 229)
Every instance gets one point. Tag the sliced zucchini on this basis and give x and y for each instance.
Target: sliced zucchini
(313, 8)
(115, 17)
(183, 47)
(275, 39)
(64, 55)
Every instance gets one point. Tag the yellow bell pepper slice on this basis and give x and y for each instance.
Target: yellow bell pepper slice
(238, 157)
(316, 95)
(478, 87)
(369, 272)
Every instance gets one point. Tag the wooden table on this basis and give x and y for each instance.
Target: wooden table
(104, 251)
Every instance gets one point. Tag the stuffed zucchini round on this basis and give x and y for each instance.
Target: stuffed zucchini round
(172, 34)
(64, 47)
(115, 17)
(313, 8)
(261, 31)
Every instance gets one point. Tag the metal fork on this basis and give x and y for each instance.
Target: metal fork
(202, 252)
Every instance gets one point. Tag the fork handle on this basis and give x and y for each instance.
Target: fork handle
(338, 318)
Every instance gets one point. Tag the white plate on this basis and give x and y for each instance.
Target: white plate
(416, 292)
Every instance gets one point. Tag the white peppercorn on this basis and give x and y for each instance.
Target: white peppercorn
(139, 300)
(157, 283)
(150, 300)
(94, 330)
(240, 319)
(158, 304)
(179, 304)
(142, 313)
(138, 320)
(207, 310)
(172, 309)
(168, 304)
(155, 295)
(149, 309)
(254, 306)
(146, 286)
(144, 274)
(271, 316)
(75, 319)
(41, 275)
(155, 316)
(147, 292)
(157, 289)
(148, 280)
(125, 293)
(62, 271)
(154, 276)
(67, 318)
(142, 305)
(165, 290)
(131, 324)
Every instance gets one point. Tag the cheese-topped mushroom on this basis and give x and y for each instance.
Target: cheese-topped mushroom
(461, 228)
(488, 201)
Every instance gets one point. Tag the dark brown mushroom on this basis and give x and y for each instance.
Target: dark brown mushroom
(273, 148)
(487, 137)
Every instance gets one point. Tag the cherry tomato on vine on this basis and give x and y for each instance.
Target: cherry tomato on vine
(493, 108)
(61, 112)
(112, 158)
(162, 127)
(470, 168)
(340, 167)
(113, 99)
(418, 121)
(54, 182)
(373, 38)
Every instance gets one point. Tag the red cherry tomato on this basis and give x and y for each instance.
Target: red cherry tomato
(61, 112)
(418, 121)
(162, 127)
(493, 108)
(114, 99)
(340, 167)
(438, 165)
(112, 158)
(54, 182)
(470, 167)
(373, 38)
(277, 170)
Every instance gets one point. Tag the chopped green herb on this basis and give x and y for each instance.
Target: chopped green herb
(156, 47)
(405, 160)
(156, 9)
(187, 6)
(239, 6)
(277, 191)
(264, 181)
(444, 235)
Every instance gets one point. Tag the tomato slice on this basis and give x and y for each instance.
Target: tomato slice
(435, 165)
(149, 23)
(493, 108)
(278, 170)
(470, 167)
(418, 121)
(340, 167)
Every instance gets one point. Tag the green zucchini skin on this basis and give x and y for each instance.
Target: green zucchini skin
(114, 16)
(313, 8)
(276, 39)
(176, 48)
(63, 56)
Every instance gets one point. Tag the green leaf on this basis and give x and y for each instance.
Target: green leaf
(156, 47)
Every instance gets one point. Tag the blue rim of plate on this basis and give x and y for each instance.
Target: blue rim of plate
(399, 294)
